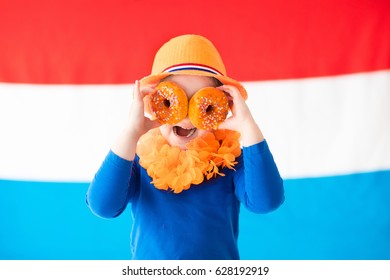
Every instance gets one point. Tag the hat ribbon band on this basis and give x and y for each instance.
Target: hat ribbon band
(192, 66)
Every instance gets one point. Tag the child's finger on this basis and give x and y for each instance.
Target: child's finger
(236, 101)
(146, 90)
(231, 91)
(138, 92)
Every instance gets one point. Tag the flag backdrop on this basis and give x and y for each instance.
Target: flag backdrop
(318, 77)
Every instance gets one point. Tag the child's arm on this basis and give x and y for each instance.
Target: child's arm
(116, 180)
(258, 183)
(112, 187)
(136, 126)
(241, 119)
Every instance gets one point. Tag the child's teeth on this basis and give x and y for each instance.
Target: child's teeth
(184, 132)
(191, 132)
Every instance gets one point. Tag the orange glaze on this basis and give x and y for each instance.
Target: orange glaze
(169, 103)
(208, 108)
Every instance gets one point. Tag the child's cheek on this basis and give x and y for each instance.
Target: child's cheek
(201, 132)
(166, 131)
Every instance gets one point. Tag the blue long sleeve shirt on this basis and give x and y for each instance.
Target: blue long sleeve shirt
(199, 223)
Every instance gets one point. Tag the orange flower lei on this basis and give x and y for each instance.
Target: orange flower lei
(176, 169)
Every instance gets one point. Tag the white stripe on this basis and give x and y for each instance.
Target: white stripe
(315, 127)
(326, 126)
(58, 133)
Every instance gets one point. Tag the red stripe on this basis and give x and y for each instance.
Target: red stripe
(88, 41)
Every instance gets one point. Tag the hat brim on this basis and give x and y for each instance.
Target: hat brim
(154, 79)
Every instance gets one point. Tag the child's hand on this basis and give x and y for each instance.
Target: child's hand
(137, 120)
(241, 119)
(126, 144)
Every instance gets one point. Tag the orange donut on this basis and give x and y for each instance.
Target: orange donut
(169, 103)
(208, 108)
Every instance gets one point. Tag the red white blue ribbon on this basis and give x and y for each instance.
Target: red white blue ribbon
(192, 66)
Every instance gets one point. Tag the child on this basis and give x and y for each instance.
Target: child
(195, 213)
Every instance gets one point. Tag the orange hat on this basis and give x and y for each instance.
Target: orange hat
(190, 55)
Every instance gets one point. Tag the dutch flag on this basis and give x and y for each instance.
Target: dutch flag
(318, 78)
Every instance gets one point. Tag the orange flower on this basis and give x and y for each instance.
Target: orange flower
(175, 169)
(206, 143)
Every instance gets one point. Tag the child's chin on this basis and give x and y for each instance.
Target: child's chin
(181, 141)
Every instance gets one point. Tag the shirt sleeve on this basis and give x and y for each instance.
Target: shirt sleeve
(257, 181)
(112, 187)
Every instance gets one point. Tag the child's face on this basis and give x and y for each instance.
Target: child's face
(184, 131)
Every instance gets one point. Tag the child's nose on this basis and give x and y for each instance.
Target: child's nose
(185, 123)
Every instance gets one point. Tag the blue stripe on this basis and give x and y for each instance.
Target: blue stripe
(341, 217)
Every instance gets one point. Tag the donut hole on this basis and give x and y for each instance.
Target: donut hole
(209, 109)
(167, 103)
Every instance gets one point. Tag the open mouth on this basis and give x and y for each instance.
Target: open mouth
(183, 132)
